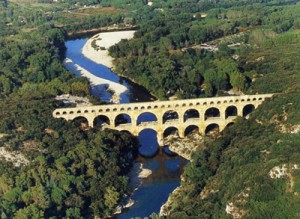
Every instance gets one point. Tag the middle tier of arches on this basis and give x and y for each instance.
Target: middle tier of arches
(188, 116)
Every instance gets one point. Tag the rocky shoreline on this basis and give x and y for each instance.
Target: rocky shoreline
(185, 148)
(136, 176)
(165, 208)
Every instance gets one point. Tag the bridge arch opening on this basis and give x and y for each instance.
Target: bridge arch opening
(146, 117)
(231, 111)
(81, 122)
(192, 129)
(212, 112)
(248, 109)
(212, 130)
(170, 131)
(170, 115)
(148, 142)
(126, 132)
(101, 121)
(122, 119)
(229, 124)
(191, 114)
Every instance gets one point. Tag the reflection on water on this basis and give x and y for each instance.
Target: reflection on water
(148, 142)
(155, 189)
(150, 197)
(172, 165)
(167, 150)
(165, 177)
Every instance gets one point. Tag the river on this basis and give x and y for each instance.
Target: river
(166, 170)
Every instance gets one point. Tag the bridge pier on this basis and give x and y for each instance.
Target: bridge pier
(223, 112)
(160, 138)
(133, 119)
(91, 123)
(181, 132)
(240, 111)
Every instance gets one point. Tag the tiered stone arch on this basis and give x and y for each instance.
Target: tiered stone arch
(146, 117)
(213, 127)
(212, 112)
(81, 121)
(170, 131)
(249, 108)
(190, 129)
(231, 111)
(170, 115)
(201, 113)
(101, 121)
(191, 114)
(122, 119)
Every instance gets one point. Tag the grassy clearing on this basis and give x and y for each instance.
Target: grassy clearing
(276, 63)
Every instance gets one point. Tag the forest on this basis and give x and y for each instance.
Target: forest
(70, 173)
(169, 46)
(73, 173)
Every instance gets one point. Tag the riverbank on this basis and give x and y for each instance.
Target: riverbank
(137, 174)
(96, 48)
(185, 147)
(84, 33)
(165, 208)
(102, 88)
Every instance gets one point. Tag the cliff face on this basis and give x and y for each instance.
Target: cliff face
(187, 146)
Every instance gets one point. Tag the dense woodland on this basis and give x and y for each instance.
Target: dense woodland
(81, 174)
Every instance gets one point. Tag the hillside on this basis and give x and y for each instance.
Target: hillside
(252, 170)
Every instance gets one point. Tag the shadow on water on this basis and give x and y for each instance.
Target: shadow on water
(148, 143)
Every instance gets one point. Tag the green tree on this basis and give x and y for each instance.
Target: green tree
(238, 81)
(111, 197)
(30, 212)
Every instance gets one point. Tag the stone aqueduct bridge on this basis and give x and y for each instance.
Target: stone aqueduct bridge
(203, 113)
